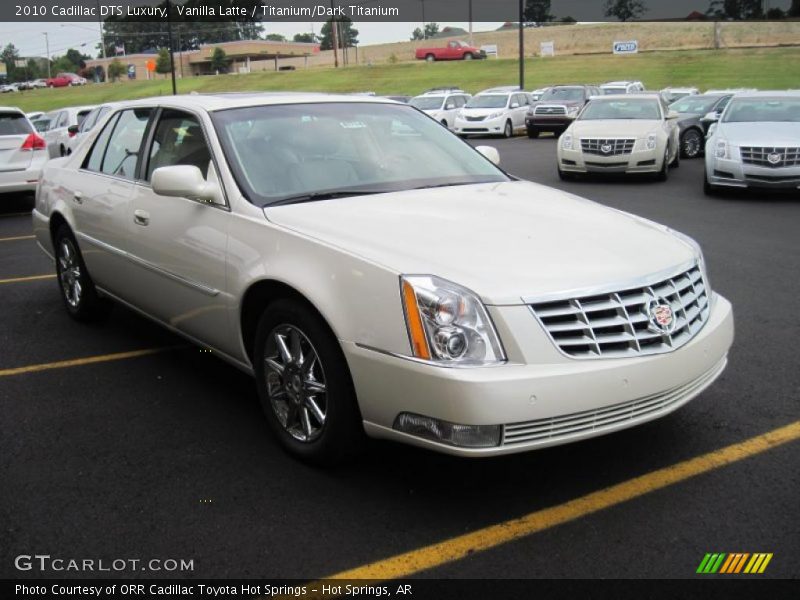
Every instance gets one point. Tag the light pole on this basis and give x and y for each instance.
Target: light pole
(424, 33)
(47, 43)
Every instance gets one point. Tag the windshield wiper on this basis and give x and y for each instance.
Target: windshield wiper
(441, 185)
(314, 196)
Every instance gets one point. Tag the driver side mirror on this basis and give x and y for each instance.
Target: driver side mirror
(449, 106)
(712, 116)
(185, 181)
(514, 105)
(73, 129)
(490, 152)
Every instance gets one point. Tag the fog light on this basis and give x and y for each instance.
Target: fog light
(465, 436)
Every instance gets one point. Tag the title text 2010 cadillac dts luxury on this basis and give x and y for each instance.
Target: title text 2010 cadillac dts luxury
(376, 274)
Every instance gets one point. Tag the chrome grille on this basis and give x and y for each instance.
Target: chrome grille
(474, 118)
(611, 417)
(550, 110)
(760, 155)
(617, 324)
(607, 147)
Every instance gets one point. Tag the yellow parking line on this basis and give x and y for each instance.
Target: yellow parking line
(428, 557)
(16, 214)
(18, 237)
(29, 278)
(88, 360)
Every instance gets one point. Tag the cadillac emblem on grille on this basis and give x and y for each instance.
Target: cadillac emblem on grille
(606, 148)
(662, 320)
(774, 158)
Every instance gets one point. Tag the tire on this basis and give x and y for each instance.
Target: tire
(708, 188)
(564, 176)
(62, 150)
(508, 130)
(77, 288)
(318, 427)
(468, 56)
(691, 143)
(676, 162)
(444, 122)
(663, 174)
(533, 133)
(430, 58)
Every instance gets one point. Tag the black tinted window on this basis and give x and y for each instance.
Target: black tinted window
(14, 123)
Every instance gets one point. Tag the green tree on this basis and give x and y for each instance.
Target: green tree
(219, 60)
(735, 9)
(431, 29)
(307, 38)
(76, 58)
(275, 37)
(794, 9)
(9, 56)
(116, 70)
(348, 35)
(62, 64)
(163, 64)
(537, 11)
(625, 10)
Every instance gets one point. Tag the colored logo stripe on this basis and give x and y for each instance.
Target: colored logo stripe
(733, 563)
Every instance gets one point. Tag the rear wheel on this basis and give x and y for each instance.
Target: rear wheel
(508, 130)
(304, 385)
(533, 133)
(77, 288)
(691, 143)
(430, 57)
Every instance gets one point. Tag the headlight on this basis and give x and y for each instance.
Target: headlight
(566, 141)
(448, 324)
(652, 140)
(494, 115)
(721, 149)
(573, 110)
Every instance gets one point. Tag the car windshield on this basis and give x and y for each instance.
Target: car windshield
(621, 109)
(41, 125)
(775, 109)
(608, 91)
(301, 152)
(488, 101)
(427, 102)
(13, 123)
(696, 105)
(564, 94)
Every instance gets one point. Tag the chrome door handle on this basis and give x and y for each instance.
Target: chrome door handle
(78, 197)
(141, 217)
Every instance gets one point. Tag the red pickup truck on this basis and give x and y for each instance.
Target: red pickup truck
(455, 50)
(64, 79)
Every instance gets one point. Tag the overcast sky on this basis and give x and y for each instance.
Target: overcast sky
(30, 40)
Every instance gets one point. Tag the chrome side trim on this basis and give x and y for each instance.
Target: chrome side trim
(243, 366)
(204, 289)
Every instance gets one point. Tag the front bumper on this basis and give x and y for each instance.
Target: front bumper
(638, 161)
(732, 172)
(546, 399)
(545, 123)
(487, 126)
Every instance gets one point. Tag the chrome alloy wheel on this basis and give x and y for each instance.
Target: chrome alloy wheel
(692, 144)
(295, 381)
(69, 272)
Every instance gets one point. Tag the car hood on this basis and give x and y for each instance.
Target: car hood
(481, 112)
(557, 103)
(760, 134)
(505, 241)
(615, 127)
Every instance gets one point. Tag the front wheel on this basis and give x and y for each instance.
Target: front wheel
(508, 130)
(663, 174)
(468, 56)
(444, 122)
(304, 385)
(533, 133)
(708, 188)
(77, 288)
(691, 144)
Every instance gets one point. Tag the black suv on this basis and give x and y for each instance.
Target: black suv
(557, 108)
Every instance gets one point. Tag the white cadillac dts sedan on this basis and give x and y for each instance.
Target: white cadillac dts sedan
(378, 275)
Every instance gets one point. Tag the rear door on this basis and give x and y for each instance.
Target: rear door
(14, 130)
(518, 113)
(100, 193)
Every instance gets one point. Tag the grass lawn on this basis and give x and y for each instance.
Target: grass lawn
(763, 68)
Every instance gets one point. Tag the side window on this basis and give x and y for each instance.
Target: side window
(89, 121)
(95, 158)
(121, 153)
(178, 140)
(62, 120)
(723, 103)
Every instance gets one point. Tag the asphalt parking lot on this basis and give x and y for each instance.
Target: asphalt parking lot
(166, 454)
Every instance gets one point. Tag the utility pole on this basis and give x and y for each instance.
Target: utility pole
(47, 43)
(335, 33)
(102, 33)
(471, 41)
(424, 31)
(171, 55)
(521, 46)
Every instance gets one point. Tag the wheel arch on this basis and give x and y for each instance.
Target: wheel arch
(56, 221)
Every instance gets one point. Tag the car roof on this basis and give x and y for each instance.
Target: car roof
(225, 100)
(11, 109)
(645, 96)
(770, 94)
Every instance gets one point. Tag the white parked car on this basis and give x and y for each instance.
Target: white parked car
(756, 143)
(62, 127)
(621, 134)
(94, 117)
(39, 83)
(9, 87)
(622, 87)
(442, 106)
(536, 95)
(497, 113)
(671, 94)
(310, 240)
(23, 152)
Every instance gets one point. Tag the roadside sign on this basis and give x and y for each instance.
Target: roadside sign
(151, 65)
(547, 49)
(629, 47)
(490, 50)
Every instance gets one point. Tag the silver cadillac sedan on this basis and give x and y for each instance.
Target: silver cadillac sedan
(379, 276)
